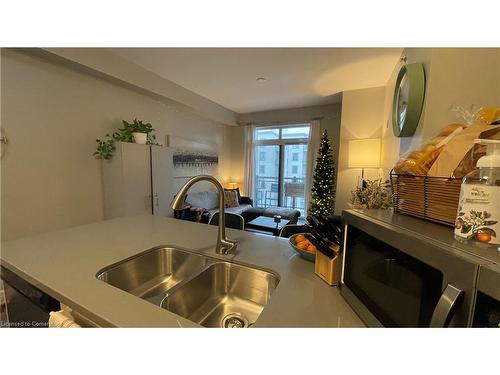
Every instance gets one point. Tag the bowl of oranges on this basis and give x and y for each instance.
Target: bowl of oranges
(303, 246)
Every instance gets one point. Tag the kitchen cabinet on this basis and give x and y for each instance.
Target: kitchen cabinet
(138, 179)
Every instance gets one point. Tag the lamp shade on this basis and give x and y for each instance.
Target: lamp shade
(364, 153)
(232, 185)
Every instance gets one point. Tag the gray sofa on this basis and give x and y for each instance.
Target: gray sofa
(209, 200)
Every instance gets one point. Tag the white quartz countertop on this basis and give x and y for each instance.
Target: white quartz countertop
(64, 264)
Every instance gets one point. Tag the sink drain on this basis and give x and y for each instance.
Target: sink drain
(234, 320)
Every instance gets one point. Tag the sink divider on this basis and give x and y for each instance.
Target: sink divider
(180, 284)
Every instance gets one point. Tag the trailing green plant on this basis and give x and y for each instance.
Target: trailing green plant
(371, 194)
(106, 147)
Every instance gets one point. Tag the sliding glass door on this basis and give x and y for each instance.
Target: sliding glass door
(281, 166)
(294, 176)
(267, 175)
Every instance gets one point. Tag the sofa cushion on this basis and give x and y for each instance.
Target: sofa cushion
(231, 198)
(238, 210)
(199, 215)
(237, 190)
(204, 199)
(235, 210)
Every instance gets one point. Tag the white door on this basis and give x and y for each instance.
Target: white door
(136, 178)
(161, 171)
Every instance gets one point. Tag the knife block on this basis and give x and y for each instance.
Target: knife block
(327, 268)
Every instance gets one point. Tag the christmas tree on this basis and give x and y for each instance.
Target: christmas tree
(323, 189)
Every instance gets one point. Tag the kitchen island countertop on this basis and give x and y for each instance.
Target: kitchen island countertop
(64, 264)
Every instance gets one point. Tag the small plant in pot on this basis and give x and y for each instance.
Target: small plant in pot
(136, 131)
(372, 194)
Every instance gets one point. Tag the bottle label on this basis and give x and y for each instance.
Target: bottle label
(479, 214)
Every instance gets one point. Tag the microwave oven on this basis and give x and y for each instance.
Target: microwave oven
(397, 274)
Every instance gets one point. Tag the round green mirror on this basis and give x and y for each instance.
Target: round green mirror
(408, 100)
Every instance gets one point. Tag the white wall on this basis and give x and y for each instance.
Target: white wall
(52, 115)
(105, 62)
(236, 146)
(362, 117)
(461, 76)
(1, 153)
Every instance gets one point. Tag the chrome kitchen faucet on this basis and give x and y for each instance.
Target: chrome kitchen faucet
(224, 245)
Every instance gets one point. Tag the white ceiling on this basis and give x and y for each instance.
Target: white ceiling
(296, 77)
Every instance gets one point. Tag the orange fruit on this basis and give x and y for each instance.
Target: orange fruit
(311, 248)
(483, 237)
(299, 238)
(303, 245)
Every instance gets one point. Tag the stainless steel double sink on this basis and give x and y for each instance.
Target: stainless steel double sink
(204, 289)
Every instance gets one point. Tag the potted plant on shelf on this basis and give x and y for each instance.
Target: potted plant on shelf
(372, 194)
(136, 131)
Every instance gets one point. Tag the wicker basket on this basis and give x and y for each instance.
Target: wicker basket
(429, 198)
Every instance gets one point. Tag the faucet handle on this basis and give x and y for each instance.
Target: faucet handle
(224, 246)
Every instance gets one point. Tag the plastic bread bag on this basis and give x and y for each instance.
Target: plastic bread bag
(469, 161)
(418, 162)
(476, 115)
(459, 157)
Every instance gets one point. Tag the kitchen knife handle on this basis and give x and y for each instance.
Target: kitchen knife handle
(320, 245)
(324, 228)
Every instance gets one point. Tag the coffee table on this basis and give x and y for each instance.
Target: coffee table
(267, 224)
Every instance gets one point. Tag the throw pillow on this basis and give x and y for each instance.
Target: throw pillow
(231, 198)
(237, 190)
(200, 215)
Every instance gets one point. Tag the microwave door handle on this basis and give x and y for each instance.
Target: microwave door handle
(446, 306)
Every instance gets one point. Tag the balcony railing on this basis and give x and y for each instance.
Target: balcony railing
(293, 194)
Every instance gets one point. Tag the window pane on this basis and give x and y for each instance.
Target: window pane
(294, 179)
(286, 146)
(266, 175)
(295, 132)
(266, 133)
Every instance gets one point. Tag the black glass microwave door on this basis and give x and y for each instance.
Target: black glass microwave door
(487, 312)
(399, 290)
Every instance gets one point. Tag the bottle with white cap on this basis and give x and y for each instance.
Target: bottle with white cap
(478, 216)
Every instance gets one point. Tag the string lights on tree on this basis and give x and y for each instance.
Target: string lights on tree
(323, 189)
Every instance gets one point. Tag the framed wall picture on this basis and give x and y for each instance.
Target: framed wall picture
(192, 158)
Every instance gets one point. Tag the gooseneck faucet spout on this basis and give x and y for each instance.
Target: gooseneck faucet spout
(224, 245)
